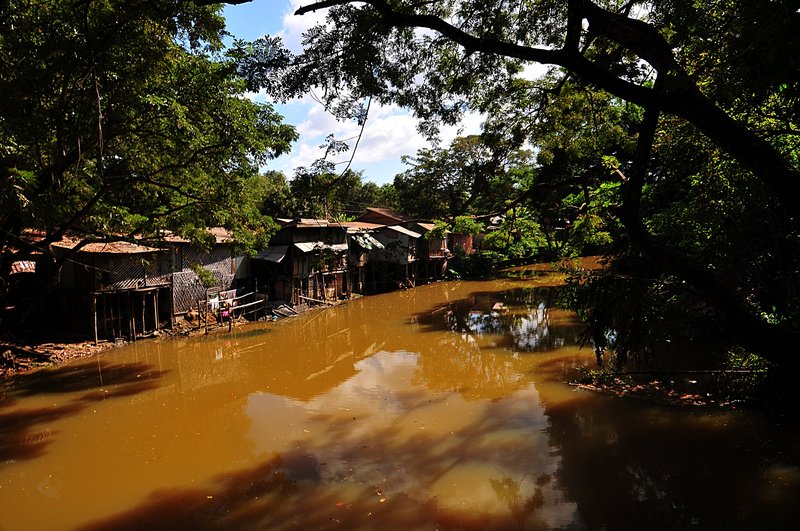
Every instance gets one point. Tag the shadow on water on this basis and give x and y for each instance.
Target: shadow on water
(657, 469)
(630, 465)
(367, 486)
(86, 377)
(24, 433)
(20, 440)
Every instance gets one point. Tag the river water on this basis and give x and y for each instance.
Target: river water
(443, 407)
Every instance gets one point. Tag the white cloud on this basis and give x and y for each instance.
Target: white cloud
(390, 132)
(294, 26)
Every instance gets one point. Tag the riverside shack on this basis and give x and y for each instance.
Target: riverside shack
(132, 290)
(116, 289)
(395, 265)
(220, 258)
(362, 243)
(305, 263)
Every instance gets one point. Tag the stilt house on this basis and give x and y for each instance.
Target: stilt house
(305, 263)
(118, 289)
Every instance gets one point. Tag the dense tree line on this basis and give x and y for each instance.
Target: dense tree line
(122, 119)
(669, 126)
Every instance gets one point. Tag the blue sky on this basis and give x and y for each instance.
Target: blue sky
(390, 132)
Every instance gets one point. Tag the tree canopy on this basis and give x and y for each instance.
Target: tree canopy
(122, 119)
(665, 133)
(470, 176)
(695, 153)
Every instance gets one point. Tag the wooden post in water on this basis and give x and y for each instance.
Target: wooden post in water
(207, 312)
(105, 316)
(155, 308)
(113, 322)
(94, 313)
(132, 316)
(172, 301)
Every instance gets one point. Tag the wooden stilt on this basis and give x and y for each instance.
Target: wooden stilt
(132, 316)
(155, 309)
(105, 317)
(172, 302)
(119, 314)
(113, 319)
(94, 314)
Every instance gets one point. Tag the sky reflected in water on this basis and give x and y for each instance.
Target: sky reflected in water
(442, 407)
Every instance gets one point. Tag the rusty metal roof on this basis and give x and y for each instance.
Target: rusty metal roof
(119, 247)
(403, 230)
(23, 266)
(353, 226)
(305, 222)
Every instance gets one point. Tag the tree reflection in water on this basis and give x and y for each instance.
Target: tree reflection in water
(441, 407)
(522, 319)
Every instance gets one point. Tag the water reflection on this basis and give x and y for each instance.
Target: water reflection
(522, 319)
(441, 407)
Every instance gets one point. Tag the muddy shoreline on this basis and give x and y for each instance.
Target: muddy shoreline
(20, 359)
(24, 357)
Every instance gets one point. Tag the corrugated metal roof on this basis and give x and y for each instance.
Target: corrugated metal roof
(23, 266)
(106, 247)
(274, 253)
(307, 247)
(306, 222)
(360, 225)
(221, 235)
(383, 212)
(404, 230)
(366, 241)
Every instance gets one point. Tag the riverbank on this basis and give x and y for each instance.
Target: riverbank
(17, 359)
(23, 357)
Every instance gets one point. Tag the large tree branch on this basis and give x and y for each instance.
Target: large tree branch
(680, 95)
(741, 318)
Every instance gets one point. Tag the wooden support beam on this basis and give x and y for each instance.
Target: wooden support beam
(94, 315)
(155, 309)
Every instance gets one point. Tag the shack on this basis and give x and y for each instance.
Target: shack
(117, 289)
(433, 252)
(462, 243)
(305, 263)
(361, 242)
(228, 267)
(382, 216)
(395, 265)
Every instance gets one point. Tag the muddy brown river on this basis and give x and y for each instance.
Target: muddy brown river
(443, 407)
